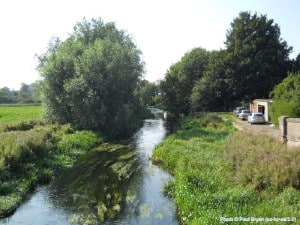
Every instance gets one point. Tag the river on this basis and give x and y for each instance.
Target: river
(73, 197)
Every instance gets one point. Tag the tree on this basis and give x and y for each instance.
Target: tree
(295, 67)
(260, 55)
(286, 96)
(147, 92)
(25, 94)
(6, 95)
(90, 79)
(181, 78)
(217, 90)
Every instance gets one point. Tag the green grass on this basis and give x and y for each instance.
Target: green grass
(18, 113)
(206, 185)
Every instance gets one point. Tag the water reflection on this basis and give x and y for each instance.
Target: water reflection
(114, 184)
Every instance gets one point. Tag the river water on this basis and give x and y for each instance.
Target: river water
(83, 194)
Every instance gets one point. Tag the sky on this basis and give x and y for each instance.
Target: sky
(164, 30)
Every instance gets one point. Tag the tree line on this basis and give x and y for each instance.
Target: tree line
(93, 79)
(28, 94)
(254, 61)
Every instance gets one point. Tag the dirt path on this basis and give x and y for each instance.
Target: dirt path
(266, 129)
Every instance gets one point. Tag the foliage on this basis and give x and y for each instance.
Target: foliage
(199, 156)
(180, 79)
(149, 93)
(217, 90)
(29, 157)
(79, 140)
(260, 55)
(254, 61)
(28, 93)
(295, 64)
(286, 98)
(90, 79)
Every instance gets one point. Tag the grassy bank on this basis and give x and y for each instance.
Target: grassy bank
(32, 157)
(220, 172)
(32, 152)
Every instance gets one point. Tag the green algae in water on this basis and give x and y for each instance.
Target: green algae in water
(96, 188)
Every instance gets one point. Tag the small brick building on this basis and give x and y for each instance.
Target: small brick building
(262, 106)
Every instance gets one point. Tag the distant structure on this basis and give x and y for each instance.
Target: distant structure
(262, 106)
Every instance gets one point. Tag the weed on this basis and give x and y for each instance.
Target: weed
(262, 162)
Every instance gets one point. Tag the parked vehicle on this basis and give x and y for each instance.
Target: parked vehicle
(237, 110)
(256, 118)
(243, 115)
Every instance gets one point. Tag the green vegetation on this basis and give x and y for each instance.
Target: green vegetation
(180, 79)
(28, 94)
(34, 156)
(286, 98)
(19, 113)
(90, 79)
(223, 173)
(254, 61)
(108, 167)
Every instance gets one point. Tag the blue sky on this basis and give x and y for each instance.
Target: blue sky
(163, 29)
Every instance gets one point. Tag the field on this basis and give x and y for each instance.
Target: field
(222, 174)
(18, 113)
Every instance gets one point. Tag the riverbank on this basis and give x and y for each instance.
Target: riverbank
(32, 152)
(96, 180)
(221, 173)
(32, 155)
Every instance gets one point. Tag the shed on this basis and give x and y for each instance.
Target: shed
(262, 106)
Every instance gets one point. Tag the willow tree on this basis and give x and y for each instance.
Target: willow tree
(90, 79)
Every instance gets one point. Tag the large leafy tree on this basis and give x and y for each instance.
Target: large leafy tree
(90, 79)
(181, 78)
(260, 54)
(217, 90)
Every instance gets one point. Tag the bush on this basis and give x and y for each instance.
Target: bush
(24, 125)
(283, 108)
(286, 98)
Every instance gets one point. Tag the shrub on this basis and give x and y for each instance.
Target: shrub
(286, 98)
(24, 125)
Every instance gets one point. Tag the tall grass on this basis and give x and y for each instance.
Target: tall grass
(260, 162)
(208, 186)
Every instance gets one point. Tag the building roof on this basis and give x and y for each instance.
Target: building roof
(262, 100)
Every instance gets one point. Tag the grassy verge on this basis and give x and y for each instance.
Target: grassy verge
(220, 172)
